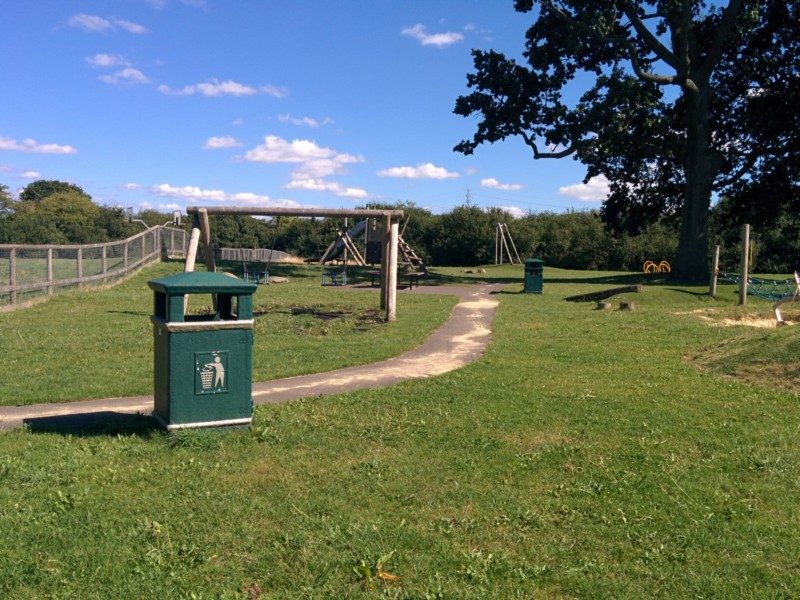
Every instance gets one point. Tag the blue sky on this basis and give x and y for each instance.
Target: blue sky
(166, 103)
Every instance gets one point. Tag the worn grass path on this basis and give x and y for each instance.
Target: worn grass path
(461, 340)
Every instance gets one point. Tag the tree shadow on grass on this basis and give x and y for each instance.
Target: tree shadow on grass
(91, 424)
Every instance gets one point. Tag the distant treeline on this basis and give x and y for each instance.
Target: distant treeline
(52, 212)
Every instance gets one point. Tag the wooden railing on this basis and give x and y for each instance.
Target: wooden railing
(35, 270)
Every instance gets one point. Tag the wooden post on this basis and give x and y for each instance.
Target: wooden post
(344, 254)
(80, 263)
(745, 266)
(712, 288)
(513, 245)
(505, 244)
(144, 249)
(50, 271)
(385, 243)
(194, 239)
(391, 301)
(104, 258)
(12, 274)
(205, 231)
(172, 242)
(125, 255)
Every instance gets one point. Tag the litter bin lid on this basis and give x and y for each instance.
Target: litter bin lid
(202, 282)
(534, 261)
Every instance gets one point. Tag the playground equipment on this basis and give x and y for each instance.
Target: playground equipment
(779, 291)
(344, 244)
(502, 239)
(201, 227)
(651, 267)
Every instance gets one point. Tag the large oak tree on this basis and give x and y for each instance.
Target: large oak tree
(685, 98)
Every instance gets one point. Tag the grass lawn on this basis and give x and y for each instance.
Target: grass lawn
(89, 344)
(587, 454)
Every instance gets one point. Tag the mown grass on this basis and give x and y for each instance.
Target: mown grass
(96, 344)
(583, 456)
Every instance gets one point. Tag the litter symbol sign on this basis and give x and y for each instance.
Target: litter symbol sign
(211, 372)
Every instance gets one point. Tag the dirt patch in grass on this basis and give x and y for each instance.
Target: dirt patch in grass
(713, 317)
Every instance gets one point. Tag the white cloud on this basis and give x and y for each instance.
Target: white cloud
(514, 211)
(304, 121)
(99, 24)
(127, 76)
(421, 171)
(187, 192)
(491, 182)
(107, 60)
(194, 194)
(31, 175)
(31, 145)
(274, 91)
(215, 143)
(214, 88)
(320, 185)
(132, 186)
(594, 190)
(315, 161)
(130, 27)
(440, 40)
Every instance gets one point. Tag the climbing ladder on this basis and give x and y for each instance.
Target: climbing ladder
(408, 253)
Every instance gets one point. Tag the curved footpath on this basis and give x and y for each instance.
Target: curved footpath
(461, 340)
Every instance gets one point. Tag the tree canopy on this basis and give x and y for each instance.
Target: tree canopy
(39, 190)
(730, 125)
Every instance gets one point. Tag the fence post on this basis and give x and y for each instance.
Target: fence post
(744, 265)
(12, 274)
(712, 288)
(49, 271)
(80, 263)
(104, 259)
(144, 249)
(125, 255)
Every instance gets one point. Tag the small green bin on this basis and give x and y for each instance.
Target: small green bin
(534, 276)
(202, 364)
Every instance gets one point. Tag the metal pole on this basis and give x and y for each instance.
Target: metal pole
(712, 288)
(391, 304)
(745, 266)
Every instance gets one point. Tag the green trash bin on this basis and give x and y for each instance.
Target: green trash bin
(534, 276)
(202, 364)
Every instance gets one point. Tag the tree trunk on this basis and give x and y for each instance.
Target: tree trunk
(701, 167)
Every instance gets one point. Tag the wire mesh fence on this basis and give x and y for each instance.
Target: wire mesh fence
(31, 271)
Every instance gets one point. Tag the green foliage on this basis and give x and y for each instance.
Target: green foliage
(42, 188)
(463, 237)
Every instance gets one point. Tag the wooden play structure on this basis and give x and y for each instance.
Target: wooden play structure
(390, 219)
(779, 291)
